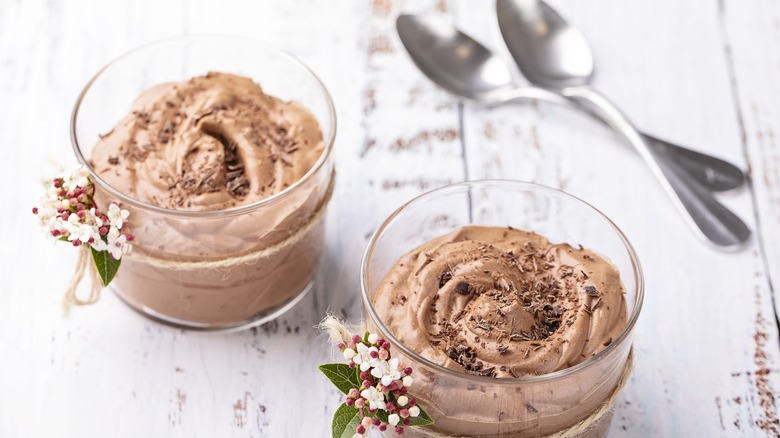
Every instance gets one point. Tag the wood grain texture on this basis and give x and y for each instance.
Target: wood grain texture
(706, 75)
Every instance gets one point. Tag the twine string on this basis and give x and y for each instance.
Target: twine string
(82, 264)
(338, 331)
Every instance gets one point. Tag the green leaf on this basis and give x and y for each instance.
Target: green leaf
(345, 421)
(106, 265)
(344, 377)
(365, 337)
(421, 420)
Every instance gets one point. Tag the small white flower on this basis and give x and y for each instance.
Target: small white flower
(99, 245)
(363, 357)
(116, 216)
(376, 400)
(82, 181)
(116, 246)
(393, 419)
(372, 338)
(387, 371)
(414, 411)
(408, 381)
(87, 232)
(403, 400)
(349, 353)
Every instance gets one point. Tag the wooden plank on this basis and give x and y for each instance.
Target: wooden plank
(749, 36)
(707, 340)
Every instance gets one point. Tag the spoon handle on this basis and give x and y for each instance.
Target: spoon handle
(711, 172)
(703, 212)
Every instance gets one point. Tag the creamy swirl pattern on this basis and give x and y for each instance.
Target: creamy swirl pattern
(209, 143)
(502, 302)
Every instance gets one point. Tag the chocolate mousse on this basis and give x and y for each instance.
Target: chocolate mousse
(502, 302)
(210, 144)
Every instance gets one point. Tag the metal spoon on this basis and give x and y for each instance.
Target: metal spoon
(481, 76)
(464, 67)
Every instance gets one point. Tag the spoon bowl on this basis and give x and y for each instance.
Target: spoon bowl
(453, 60)
(540, 38)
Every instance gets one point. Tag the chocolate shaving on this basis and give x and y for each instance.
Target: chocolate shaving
(591, 291)
(237, 184)
(445, 277)
(463, 288)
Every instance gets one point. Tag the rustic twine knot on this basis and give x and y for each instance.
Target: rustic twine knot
(84, 259)
(339, 331)
(82, 264)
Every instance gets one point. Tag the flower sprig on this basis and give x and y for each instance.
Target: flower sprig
(68, 213)
(376, 387)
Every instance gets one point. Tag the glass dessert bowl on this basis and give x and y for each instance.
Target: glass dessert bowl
(574, 398)
(212, 269)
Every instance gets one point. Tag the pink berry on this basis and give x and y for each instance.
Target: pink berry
(363, 375)
(377, 421)
(407, 422)
(61, 193)
(382, 427)
(103, 231)
(380, 341)
(35, 210)
(412, 401)
(386, 345)
(76, 242)
(356, 338)
(352, 364)
(408, 371)
(57, 182)
(350, 401)
(389, 407)
(361, 430)
(399, 430)
(374, 354)
(404, 413)
(404, 390)
(359, 403)
(341, 346)
(55, 233)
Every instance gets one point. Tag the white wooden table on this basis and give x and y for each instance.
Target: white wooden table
(704, 74)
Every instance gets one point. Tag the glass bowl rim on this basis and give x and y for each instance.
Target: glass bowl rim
(124, 198)
(385, 332)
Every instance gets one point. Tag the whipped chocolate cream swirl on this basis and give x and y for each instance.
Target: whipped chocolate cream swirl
(209, 143)
(502, 302)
